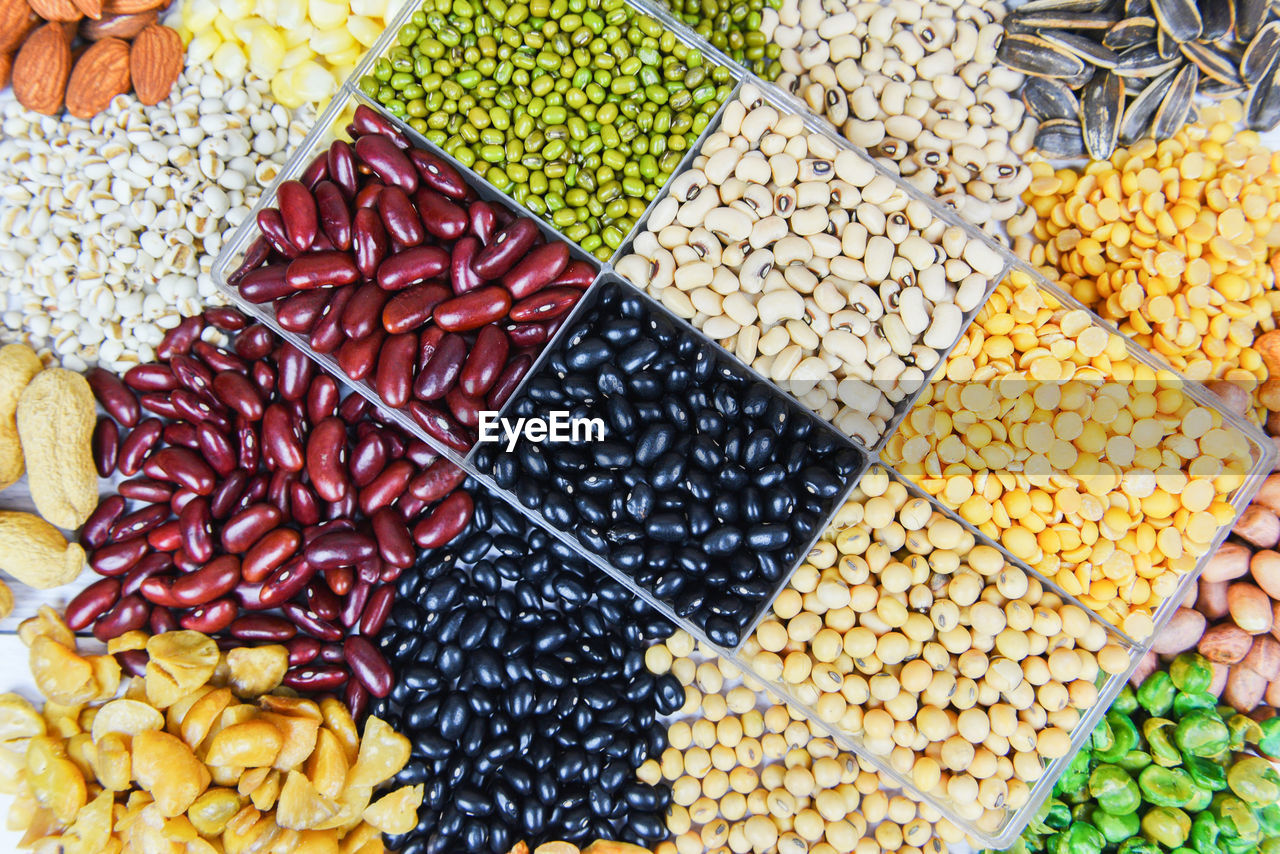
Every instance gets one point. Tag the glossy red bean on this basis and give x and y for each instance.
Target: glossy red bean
(269, 553)
(192, 374)
(226, 319)
(411, 308)
(323, 601)
(91, 603)
(248, 450)
(278, 491)
(115, 397)
(403, 224)
(342, 167)
(537, 270)
(159, 404)
(420, 453)
(298, 209)
(311, 622)
(97, 527)
(179, 340)
(395, 546)
(545, 304)
(271, 224)
(506, 248)
(223, 499)
(255, 256)
(106, 445)
(445, 522)
(485, 362)
(254, 342)
(579, 274)
(166, 537)
(193, 410)
(376, 610)
(355, 696)
(301, 649)
(321, 270)
(461, 277)
(280, 441)
(473, 309)
(158, 590)
(217, 449)
(387, 161)
(370, 240)
(366, 121)
(340, 548)
(326, 458)
(181, 466)
(146, 489)
(482, 220)
(196, 524)
(508, 381)
(441, 217)
(315, 678)
(440, 425)
(386, 487)
(263, 628)
(238, 393)
(368, 458)
(304, 507)
(162, 620)
(322, 398)
(300, 312)
(296, 371)
(428, 341)
(216, 578)
(286, 582)
(266, 284)
(180, 499)
(211, 617)
(335, 215)
(437, 174)
(340, 579)
(358, 357)
(353, 605)
(138, 522)
(465, 408)
(436, 481)
(363, 314)
(150, 378)
(151, 565)
(441, 371)
(368, 665)
(394, 377)
(127, 615)
(248, 526)
(180, 433)
(367, 197)
(411, 266)
(317, 170)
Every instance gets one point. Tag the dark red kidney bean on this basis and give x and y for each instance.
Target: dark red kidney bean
(386, 487)
(579, 274)
(464, 407)
(166, 537)
(326, 458)
(106, 444)
(296, 370)
(394, 377)
(222, 500)
(322, 243)
(331, 653)
(271, 224)
(370, 241)
(376, 610)
(91, 603)
(182, 466)
(269, 553)
(159, 404)
(250, 597)
(506, 248)
(508, 381)
(280, 440)
(226, 319)
(340, 548)
(411, 266)
(266, 284)
(368, 665)
(473, 309)
(255, 256)
(461, 277)
(311, 622)
(420, 453)
(302, 650)
(323, 601)
(263, 377)
(191, 373)
(436, 481)
(412, 307)
(278, 492)
(211, 617)
(180, 433)
(300, 312)
(428, 341)
(340, 579)
(527, 334)
(441, 217)
(485, 362)
(146, 489)
(180, 499)
(353, 408)
(366, 121)
(353, 605)
(97, 527)
(536, 270)
(387, 161)
(263, 628)
(115, 397)
(138, 522)
(483, 220)
(335, 216)
(255, 342)
(150, 378)
(315, 678)
(197, 529)
(399, 216)
(369, 570)
(441, 371)
(368, 459)
(437, 174)
(286, 582)
(298, 209)
(358, 358)
(236, 392)
(162, 620)
(317, 170)
(192, 410)
(445, 522)
(368, 195)
(440, 425)
(303, 505)
(217, 449)
(363, 314)
(127, 615)
(327, 334)
(158, 590)
(322, 398)
(248, 449)
(248, 526)
(545, 304)
(216, 578)
(355, 696)
(395, 546)
(151, 565)
(342, 168)
(321, 270)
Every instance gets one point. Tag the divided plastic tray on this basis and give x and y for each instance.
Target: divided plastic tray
(329, 127)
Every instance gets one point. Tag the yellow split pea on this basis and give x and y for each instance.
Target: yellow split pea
(1173, 241)
(1090, 466)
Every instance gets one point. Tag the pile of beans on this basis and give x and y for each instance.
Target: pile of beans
(956, 666)
(708, 484)
(579, 109)
(1093, 468)
(248, 488)
(382, 256)
(524, 693)
(1172, 241)
(733, 26)
(820, 273)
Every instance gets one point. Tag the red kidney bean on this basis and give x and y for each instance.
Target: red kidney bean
(270, 553)
(162, 620)
(217, 449)
(506, 248)
(106, 445)
(91, 603)
(368, 665)
(249, 595)
(236, 392)
(298, 209)
(411, 266)
(376, 610)
(485, 362)
(255, 256)
(353, 605)
(465, 408)
(301, 649)
(473, 309)
(394, 543)
(158, 404)
(194, 410)
(264, 628)
(216, 578)
(279, 439)
(508, 381)
(394, 378)
(255, 342)
(369, 570)
(441, 217)
(226, 319)
(362, 315)
(445, 522)
(353, 408)
(387, 161)
(180, 499)
(146, 489)
(368, 195)
(368, 459)
(248, 526)
(386, 487)
(115, 397)
(192, 374)
(545, 304)
(326, 458)
(211, 617)
(278, 491)
(370, 241)
(248, 450)
(300, 312)
(196, 524)
(151, 565)
(166, 537)
(437, 174)
(311, 623)
(263, 377)
(436, 481)
(180, 433)
(223, 499)
(296, 370)
(355, 696)
(366, 120)
(315, 679)
(442, 369)
(322, 398)
(335, 217)
(483, 220)
(127, 615)
(537, 269)
(150, 378)
(316, 171)
(286, 582)
(412, 307)
(138, 522)
(428, 341)
(340, 579)
(579, 274)
(158, 590)
(323, 601)
(321, 270)
(181, 466)
(304, 507)
(342, 168)
(266, 284)
(358, 358)
(461, 276)
(271, 224)
(97, 528)
(340, 548)
(440, 425)
(399, 216)
(327, 335)
(420, 453)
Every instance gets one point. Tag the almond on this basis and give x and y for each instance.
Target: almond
(117, 26)
(17, 20)
(156, 62)
(91, 8)
(56, 10)
(100, 75)
(41, 69)
(131, 7)
(6, 68)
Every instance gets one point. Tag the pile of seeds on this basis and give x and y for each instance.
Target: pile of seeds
(109, 227)
(734, 27)
(1106, 73)
(917, 84)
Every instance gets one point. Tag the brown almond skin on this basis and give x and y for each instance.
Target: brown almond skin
(56, 10)
(99, 75)
(6, 69)
(132, 7)
(17, 20)
(116, 26)
(89, 8)
(155, 63)
(41, 70)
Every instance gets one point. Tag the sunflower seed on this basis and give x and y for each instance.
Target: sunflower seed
(1250, 16)
(1130, 32)
(1144, 61)
(1085, 48)
(1219, 91)
(1179, 18)
(1262, 107)
(1219, 17)
(1173, 110)
(1049, 99)
(1060, 138)
(1063, 6)
(1062, 20)
(1101, 108)
(1035, 56)
(1137, 7)
(1165, 45)
(1264, 48)
(1137, 117)
(1214, 64)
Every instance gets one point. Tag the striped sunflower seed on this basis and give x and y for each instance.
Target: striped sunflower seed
(1047, 99)
(1250, 16)
(1141, 110)
(1173, 110)
(1101, 108)
(1085, 48)
(1213, 63)
(1219, 17)
(1262, 107)
(1131, 32)
(1179, 18)
(1144, 61)
(1260, 52)
(1037, 57)
(1060, 138)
